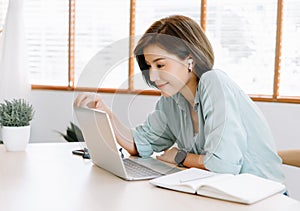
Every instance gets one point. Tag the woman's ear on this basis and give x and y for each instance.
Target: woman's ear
(190, 64)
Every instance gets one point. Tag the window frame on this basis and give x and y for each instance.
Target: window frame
(131, 90)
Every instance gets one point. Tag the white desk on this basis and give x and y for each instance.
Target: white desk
(49, 177)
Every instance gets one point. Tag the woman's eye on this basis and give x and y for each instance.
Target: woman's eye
(160, 66)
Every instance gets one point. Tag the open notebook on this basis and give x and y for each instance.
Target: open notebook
(242, 188)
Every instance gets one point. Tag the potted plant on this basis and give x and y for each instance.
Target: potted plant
(15, 117)
(73, 133)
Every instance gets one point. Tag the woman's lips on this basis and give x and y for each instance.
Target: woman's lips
(161, 85)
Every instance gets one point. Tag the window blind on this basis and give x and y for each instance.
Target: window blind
(98, 25)
(243, 35)
(3, 10)
(46, 25)
(290, 58)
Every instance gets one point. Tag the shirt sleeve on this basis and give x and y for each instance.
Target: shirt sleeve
(154, 134)
(225, 137)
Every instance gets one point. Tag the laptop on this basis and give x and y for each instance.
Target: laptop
(105, 153)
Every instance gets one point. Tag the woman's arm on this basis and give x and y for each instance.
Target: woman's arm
(194, 160)
(191, 160)
(122, 133)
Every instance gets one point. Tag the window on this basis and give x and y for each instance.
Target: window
(96, 28)
(46, 25)
(244, 43)
(255, 42)
(3, 9)
(290, 59)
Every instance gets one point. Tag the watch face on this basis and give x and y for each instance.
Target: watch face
(180, 156)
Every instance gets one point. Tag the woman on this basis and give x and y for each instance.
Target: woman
(212, 122)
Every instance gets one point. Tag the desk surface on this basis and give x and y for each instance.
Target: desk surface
(50, 177)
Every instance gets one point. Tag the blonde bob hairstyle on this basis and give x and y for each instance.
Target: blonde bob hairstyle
(178, 35)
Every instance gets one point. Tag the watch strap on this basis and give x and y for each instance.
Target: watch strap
(180, 157)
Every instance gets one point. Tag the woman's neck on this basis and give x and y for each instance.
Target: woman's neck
(189, 90)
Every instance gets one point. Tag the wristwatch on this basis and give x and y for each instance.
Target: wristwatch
(180, 157)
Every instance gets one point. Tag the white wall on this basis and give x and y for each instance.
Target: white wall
(284, 120)
(54, 112)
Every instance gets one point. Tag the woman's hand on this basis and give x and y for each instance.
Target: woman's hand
(168, 155)
(122, 133)
(91, 101)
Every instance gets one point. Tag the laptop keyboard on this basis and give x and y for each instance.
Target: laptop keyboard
(138, 170)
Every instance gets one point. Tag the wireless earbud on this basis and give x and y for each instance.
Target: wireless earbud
(190, 64)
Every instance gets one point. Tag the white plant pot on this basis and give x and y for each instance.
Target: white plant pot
(15, 138)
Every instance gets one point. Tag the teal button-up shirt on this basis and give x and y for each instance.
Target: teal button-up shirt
(233, 133)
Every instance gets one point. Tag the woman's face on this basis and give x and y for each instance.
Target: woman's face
(166, 70)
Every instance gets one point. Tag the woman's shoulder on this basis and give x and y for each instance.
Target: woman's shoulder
(217, 80)
(213, 74)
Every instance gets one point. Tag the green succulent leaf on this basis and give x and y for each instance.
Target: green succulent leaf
(73, 134)
(16, 113)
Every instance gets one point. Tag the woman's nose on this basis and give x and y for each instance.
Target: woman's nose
(154, 75)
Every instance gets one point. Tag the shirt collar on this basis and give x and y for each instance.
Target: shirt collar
(182, 102)
(197, 100)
